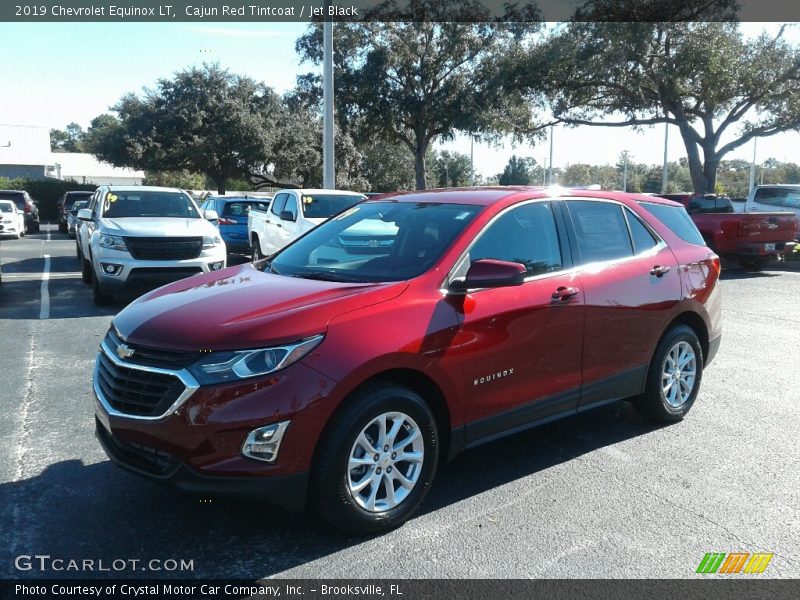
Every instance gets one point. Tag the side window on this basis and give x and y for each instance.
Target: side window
(96, 204)
(778, 196)
(291, 205)
(278, 204)
(642, 238)
(526, 234)
(601, 230)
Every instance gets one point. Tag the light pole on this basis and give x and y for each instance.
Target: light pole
(753, 166)
(328, 172)
(625, 170)
(550, 164)
(664, 170)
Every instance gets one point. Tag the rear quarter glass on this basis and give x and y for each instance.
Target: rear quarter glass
(677, 220)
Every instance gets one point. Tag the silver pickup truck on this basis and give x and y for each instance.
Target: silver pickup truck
(144, 237)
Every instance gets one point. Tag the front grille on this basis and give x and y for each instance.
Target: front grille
(136, 392)
(178, 248)
(152, 357)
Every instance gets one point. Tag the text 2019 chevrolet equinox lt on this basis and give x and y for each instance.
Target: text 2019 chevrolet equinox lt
(342, 379)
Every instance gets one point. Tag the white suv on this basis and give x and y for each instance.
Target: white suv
(144, 237)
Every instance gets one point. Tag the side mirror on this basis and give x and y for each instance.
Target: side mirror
(287, 215)
(85, 214)
(211, 215)
(490, 273)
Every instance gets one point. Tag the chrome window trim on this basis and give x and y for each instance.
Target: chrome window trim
(574, 269)
(189, 382)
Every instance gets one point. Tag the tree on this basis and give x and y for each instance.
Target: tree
(519, 171)
(68, 140)
(704, 78)
(449, 169)
(578, 174)
(414, 83)
(205, 119)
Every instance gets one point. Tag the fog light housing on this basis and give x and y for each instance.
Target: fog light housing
(216, 266)
(111, 269)
(263, 443)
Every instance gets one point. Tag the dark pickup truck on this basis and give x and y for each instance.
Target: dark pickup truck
(750, 238)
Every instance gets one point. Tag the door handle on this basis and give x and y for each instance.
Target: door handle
(659, 270)
(563, 294)
(278, 225)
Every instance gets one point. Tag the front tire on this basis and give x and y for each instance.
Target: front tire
(674, 377)
(100, 298)
(376, 460)
(257, 255)
(86, 271)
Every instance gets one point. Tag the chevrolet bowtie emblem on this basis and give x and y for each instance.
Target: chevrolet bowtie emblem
(124, 351)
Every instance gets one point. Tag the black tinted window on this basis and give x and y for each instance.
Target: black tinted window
(526, 235)
(278, 204)
(678, 221)
(778, 196)
(601, 230)
(710, 205)
(323, 206)
(17, 198)
(240, 209)
(642, 238)
(291, 206)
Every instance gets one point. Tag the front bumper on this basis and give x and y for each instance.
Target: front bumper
(143, 274)
(196, 445)
(288, 491)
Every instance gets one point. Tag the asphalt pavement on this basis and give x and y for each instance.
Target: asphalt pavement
(604, 494)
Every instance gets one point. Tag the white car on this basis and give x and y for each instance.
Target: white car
(144, 237)
(293, 213)
(12, 221)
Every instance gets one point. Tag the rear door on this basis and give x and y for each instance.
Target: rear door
(630, 281)
(521, 345)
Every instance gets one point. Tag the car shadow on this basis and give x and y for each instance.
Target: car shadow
(77, 510)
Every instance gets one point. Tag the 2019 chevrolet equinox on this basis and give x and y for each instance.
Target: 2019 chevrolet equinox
(340, 379)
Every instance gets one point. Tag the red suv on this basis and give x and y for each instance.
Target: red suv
(339, 378)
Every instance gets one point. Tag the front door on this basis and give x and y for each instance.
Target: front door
(521, 345)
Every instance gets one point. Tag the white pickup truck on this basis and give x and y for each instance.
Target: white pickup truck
(291, 214)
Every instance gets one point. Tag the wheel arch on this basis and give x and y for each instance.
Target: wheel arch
(696, 323)
(428, 390)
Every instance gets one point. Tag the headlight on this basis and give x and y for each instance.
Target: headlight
(112, 241)
(211, 242)
(221, 367)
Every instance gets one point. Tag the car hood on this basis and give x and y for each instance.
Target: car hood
(241, 307)
(157, 227)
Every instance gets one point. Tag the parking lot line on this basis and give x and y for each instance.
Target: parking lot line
(44, 310)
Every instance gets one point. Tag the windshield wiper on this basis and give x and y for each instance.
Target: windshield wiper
(268, 265)
(325, 276)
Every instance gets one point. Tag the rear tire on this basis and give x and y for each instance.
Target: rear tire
(754, 264)
(349, 485)
(100, 298)
(62, 227)
(674, 377)
(86, 271)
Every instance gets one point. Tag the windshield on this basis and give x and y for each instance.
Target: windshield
(375, 241)
(324, 206)
(70, 199)
(135, 203)
(6, 207)
(240, 208)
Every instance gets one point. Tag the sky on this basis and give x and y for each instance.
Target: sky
(57, 73)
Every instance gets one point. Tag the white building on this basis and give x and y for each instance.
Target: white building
(25, 152)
